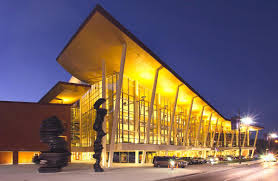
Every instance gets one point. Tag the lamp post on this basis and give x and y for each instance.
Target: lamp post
(269, 137)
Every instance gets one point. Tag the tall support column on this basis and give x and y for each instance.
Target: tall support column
(232, 139)
(104, 106)
(225, 137)
(244, 139)
(159, 124)
(173, 115)
(255, 142)
(137, 156)
(150, 113)
(187, 125)
(206, 134)
(248, 136)
(219, 133)
(237, 137)
(117, 105)
(216, 127)
(136, 112)
(199, 128)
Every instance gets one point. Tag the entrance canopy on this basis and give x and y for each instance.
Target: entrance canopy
(101, 38)
(64, 93)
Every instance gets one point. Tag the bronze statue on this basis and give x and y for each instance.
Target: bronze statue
(101, 112)
(58, 154)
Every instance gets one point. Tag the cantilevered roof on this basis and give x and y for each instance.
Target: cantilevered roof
(100, 38)
(64, 93)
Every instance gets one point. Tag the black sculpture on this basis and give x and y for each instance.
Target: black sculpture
(101, 112)
(58, 154)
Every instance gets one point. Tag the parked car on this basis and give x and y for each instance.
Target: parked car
(163, 161)
(212, 159)
(182, 162)
(188, 159)
(195, 160)
(229, 158)
(201, 160)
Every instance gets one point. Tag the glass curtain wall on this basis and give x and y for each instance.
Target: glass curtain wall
(133, 117)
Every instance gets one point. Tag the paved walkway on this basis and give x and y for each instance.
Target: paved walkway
(85, 172)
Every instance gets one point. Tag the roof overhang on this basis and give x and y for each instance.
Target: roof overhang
(64, 93)
(101, 38)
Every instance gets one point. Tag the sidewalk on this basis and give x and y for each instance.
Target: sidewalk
(120, 172)
(85, 172)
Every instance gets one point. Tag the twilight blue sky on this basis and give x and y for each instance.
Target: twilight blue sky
(226, 50)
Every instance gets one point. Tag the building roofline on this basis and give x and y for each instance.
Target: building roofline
(58, 84)
(23, 102)
(109, 17)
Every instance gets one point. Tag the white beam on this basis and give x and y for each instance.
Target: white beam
(173, 115)
(206, 134)
(150, 113)
(187, 125)
(117, 105)
(104, 106)
(199, 128)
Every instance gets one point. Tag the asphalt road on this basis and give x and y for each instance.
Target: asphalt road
(255, 172)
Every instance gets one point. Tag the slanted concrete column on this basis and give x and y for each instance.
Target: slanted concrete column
(199, 128)
(143, 157)
(255, 142)
(206, 134)
(117, 105)
(219, 133)
(216, 127)
(173, 115)
(244, 139)
(231, 143)
(104, 106)
(150, 113)
(185, 139)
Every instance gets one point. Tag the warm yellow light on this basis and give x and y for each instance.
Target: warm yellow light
(146, 75)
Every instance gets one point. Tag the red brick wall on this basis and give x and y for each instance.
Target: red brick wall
(20, 124)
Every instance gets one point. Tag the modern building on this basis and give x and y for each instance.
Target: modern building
(151, 109)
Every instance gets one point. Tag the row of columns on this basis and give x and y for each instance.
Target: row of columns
(150, 114)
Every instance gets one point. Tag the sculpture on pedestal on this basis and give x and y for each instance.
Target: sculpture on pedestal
(58, 154)
(101, 112)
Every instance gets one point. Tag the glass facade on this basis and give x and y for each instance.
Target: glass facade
(133, 119)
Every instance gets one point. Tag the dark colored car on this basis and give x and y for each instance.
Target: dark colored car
(163, 161)
(188, 159)
(201, 160)
(181, 162)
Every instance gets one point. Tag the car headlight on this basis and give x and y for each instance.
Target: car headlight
(172, 163)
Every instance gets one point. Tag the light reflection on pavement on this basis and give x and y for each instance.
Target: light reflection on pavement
(265, 171)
